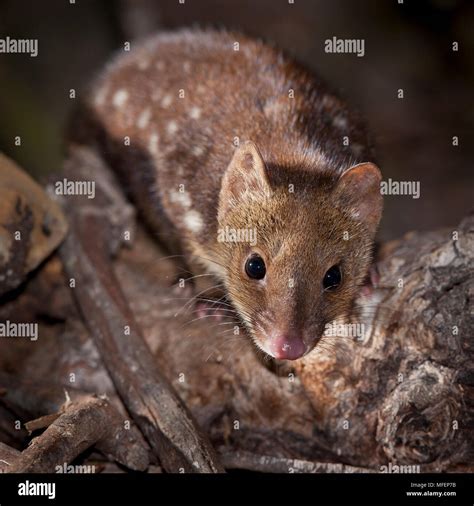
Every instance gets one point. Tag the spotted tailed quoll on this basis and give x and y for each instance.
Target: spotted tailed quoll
(248, 165)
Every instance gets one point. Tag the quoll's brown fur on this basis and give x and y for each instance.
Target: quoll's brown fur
(212, 130)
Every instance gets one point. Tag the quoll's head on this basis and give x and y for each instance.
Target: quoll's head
(308, 251)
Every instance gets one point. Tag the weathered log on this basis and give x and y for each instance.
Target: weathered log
(403, 391)
(31, 225)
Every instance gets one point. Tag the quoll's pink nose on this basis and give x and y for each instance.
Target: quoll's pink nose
(287, 347)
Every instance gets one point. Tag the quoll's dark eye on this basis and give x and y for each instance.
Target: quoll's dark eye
(332, 278)
(255, 267)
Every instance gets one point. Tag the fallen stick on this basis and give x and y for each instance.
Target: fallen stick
(80, 427)
(268, 464)
(156, 408)
(41, 423)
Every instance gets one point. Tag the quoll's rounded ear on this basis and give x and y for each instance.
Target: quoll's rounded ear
(245, 174)
(358, 190)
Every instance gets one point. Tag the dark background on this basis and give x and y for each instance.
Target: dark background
(407, 46)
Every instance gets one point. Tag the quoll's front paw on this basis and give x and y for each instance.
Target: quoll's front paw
(215, 311)
(372, 282)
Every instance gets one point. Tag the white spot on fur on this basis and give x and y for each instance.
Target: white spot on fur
(197, 150)
(340, 122)
(172, 127)
(193, 221)
(331, 101)
(120, 97)
(144, 118)
(101, 96)
(181, 198)
(195, 113)
(166, 102)
(143, 64)
(153, 143)
(274, 108)
(186, 66)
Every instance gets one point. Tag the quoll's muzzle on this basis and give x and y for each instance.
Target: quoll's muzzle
(287, 346)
